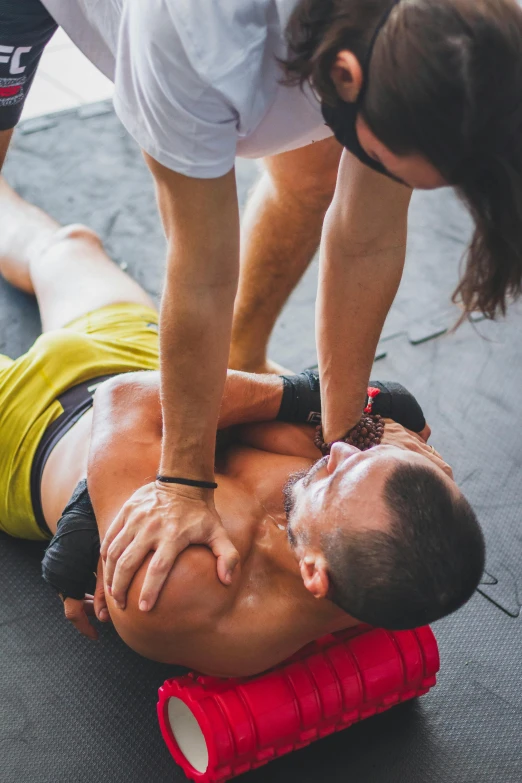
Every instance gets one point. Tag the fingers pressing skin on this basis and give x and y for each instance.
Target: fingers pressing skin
(100, 604)
(163, 520)
(169, 549)
(226, 553)
(117, 539)
(158, 571)
(128, 563)
(119, 535)
(124, 529)
(110, 535)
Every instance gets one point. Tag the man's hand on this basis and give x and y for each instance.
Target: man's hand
(79, 611)
(164, 519)
(425, 434)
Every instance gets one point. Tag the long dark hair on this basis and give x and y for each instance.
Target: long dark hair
(445, 81)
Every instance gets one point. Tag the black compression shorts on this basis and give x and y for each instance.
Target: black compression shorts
(26, 27)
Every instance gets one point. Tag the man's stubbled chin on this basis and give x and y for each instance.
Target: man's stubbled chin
(288, 490)
(306, 475)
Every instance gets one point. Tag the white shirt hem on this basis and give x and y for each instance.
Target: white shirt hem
(142, 138)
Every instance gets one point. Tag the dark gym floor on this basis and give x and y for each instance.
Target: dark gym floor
(82, 712)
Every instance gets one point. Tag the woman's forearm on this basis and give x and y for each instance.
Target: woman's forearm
(195, 338)
(357, 285)
(201, 222)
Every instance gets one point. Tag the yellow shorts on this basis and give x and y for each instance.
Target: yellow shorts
(117, 338)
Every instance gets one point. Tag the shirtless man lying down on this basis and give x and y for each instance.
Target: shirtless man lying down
(381, 536)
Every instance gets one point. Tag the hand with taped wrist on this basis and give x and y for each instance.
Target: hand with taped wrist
(301, 402)
(392, 400)
(72, 565)
(78, 611)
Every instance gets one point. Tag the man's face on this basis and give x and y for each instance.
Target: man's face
(345, 489)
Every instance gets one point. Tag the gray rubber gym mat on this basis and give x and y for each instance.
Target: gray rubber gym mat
(82, 712)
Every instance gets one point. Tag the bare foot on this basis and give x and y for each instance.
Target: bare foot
(270, 366)
(267, 367)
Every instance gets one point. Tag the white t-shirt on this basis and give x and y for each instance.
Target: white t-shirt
(197, 81)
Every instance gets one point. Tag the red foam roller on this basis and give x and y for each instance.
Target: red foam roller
(217, 729)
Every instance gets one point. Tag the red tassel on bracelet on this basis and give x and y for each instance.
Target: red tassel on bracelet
(372, 394)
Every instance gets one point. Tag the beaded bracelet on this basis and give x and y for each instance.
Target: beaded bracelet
(367, 432)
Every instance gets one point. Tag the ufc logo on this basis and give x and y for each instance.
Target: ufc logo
(8, 54)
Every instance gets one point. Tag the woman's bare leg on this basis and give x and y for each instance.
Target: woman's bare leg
(66, 268)
(281, 230)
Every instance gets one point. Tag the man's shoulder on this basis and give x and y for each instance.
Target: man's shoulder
(192, 601)
(194, 589)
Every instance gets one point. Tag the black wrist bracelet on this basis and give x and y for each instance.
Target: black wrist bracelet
(187, 482)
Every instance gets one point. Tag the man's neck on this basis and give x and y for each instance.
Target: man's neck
(271, 546)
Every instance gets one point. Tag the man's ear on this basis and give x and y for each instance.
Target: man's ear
(315, 575)
(347, 76)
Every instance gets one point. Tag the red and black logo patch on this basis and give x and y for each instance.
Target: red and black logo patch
(12, 91)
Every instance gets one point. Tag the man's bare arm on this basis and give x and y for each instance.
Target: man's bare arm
(362, 258)
(134, 400)
(129, 407)
(125, 448)
(201, 222)
(5, 140)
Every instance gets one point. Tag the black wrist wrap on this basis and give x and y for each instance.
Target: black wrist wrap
(397, 403)
(301, 401)
(71, 559)
(301, 398)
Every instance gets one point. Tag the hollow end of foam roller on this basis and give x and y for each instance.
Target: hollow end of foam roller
(187, 734)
